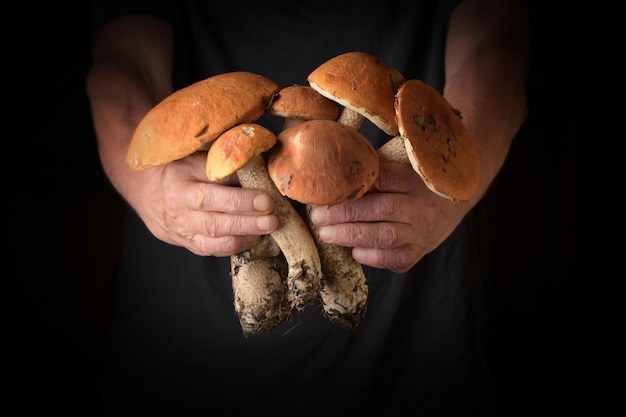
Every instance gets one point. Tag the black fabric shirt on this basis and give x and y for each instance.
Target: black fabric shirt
(177, 347)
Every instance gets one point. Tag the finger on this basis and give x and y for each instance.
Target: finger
(394, 177)
(373, 207)
(221, 246)
(216, 225)
(225, 199)
(383, 235)
(396, 260)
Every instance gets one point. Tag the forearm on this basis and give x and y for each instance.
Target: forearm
(487, 61)
(130, 74)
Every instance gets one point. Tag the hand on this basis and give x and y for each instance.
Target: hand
(179, 206)
(395, 224)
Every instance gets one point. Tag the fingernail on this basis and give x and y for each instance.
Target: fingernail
(264, 223)
(262, 203)
(327, 232)
(358, 254)
(319, 215)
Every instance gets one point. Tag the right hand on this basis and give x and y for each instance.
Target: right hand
(181, 207)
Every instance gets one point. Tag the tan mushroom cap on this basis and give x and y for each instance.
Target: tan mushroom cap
(234, 148)
(363, 83)
(438, 144)
(189, 119)
(304, 103)
(322, 162)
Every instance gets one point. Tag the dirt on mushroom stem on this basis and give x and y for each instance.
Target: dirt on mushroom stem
(259, 281)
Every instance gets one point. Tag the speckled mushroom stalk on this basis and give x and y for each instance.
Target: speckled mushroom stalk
(323, 162)
(393, 151)
(292, 236)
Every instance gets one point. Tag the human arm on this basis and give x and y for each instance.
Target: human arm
(486, 63)
(132, 72)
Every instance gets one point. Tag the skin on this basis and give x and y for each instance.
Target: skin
(392, 227)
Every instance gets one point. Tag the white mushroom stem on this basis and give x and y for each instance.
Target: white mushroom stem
(292, 236)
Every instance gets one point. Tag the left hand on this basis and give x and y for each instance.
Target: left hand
(393, 225)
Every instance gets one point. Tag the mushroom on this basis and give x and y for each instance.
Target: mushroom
(297, 103)
(344, 288)
(364, 85)
(323, 162)
(240, 150)
(189, 119)
(435, 141)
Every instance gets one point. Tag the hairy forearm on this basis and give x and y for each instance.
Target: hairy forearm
(129, 75)
(486, 68)
(118, 103)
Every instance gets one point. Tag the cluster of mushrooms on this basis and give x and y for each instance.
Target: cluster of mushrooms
(291, 268)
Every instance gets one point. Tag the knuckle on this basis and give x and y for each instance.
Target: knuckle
(346, 211)
(387, 206)
(402, 261)
(223, 246)
(211, 226)
(199, 198)
(387, 179)
(387, 236)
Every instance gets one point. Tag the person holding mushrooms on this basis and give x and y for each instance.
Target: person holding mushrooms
(177, 347)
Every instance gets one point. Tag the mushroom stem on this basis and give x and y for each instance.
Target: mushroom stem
(351, 118)
(292, 236)
(259, 278)
(345, 289)
(393, 151)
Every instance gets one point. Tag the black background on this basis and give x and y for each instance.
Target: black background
(555, 209)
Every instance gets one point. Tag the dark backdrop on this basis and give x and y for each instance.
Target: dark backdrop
(555, 209)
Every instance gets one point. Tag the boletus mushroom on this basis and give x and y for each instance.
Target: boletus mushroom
(323, 162)
(240, 150)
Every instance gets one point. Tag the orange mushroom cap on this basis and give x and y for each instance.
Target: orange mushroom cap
(322, 162)
(189, 119)
(438, 144)
(304, 103)
(234, 148)
(363, 83)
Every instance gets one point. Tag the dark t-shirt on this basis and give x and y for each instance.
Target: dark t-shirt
(177, 346)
